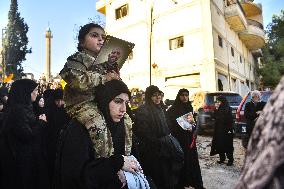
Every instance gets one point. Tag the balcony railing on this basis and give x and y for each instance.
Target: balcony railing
(232, 2)
(255, 23)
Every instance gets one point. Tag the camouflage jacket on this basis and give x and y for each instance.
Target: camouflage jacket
(81, 76)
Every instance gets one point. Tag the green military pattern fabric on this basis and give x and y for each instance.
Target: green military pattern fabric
(82, 76)
(89, 114)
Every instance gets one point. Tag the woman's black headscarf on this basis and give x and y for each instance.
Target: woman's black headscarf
(36, 108)
(224, 103)
(20, 92)
(149, 93)
(104, 94)
(180, 108)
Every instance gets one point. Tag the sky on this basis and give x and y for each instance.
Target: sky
(64, 17)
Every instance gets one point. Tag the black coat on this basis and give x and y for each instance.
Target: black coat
(222, 141)
(151, 129)
(57, 119)
(23, 160)
(76, 166)
(250, 114)
(191, 173)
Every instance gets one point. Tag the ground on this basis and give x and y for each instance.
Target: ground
(217, 176)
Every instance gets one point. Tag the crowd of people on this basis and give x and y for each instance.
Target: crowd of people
(87, 137)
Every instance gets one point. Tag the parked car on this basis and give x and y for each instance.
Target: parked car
(240, 124)
(204, 105)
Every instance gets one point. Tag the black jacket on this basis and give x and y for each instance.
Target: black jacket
(250, 114)
(222, 141)
(191, 173)
(76, 166)
(23, 160)
(152, 132)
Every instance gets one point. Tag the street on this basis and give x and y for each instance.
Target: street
(217, 176)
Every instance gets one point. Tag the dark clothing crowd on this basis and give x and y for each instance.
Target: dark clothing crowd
(87, 137)
(27, 158)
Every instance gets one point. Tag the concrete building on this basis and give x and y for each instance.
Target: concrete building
(207, 45)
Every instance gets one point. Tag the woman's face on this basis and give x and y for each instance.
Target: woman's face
(156, 98)
(117, 107)
(94, 40)
(41, 102)
(217, 104)
(34, 94)
(183, 97)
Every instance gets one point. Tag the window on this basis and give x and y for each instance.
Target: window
(247, 83)
(121, 11)
(232, 51)
(220, 41)
(176, 43)
(241, 60)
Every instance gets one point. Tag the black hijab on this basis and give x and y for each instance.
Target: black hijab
(36, 108)
(20, 92)
(104, 94)
(224, 106)
(149, 93)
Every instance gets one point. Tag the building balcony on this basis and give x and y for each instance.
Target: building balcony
(250, 8)
(101, 6)
(235, 16)
(253, 36)
(257, 53)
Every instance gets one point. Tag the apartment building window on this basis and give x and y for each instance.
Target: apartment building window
(232, 51)
(121, 11)
(220, 40)
(241, 60)
(177, 42)
(247, 83)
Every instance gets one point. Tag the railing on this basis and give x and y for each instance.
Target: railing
(255, 23)
(233, 2)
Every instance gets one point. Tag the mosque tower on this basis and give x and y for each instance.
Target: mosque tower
(48, 37)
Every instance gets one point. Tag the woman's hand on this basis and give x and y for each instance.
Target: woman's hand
(42, 117)
(121, 177)
(112, 75)
(130, 165)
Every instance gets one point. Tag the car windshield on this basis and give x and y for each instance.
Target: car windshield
(264, 97)
(233, 99)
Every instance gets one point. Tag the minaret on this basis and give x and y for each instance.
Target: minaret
(48, 37)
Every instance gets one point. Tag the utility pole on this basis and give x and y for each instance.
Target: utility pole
(3, 55)
(150, 47)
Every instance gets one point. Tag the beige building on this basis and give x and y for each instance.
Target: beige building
(196, 44)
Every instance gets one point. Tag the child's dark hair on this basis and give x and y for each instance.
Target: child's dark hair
(84, 30)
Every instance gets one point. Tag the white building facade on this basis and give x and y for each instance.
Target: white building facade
(206, 45)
